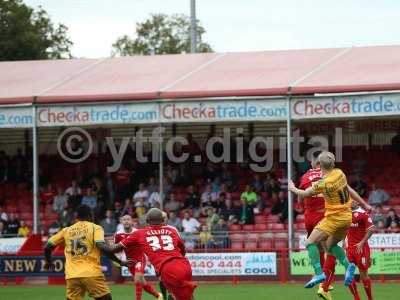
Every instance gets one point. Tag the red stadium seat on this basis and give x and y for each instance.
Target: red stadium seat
(248, 227)
(266, 244)
(237, 245)
(281, 243)
(235, 227)
(238, 236)
(260, 219)
(251, 244)
(261, 227)
(276, 226)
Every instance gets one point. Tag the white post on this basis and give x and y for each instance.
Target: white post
(193, 27)
(35, 166)
(161, 168)
(289, 170)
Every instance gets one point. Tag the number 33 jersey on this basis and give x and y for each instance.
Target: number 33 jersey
(160, 243)
(334, 188)
(82, 257)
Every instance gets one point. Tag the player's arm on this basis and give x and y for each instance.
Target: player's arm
(102, 246)
(299, 192)
(50, 246)
(356, 197)
(368, 234)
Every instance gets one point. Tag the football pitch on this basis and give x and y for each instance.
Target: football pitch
(212, 291)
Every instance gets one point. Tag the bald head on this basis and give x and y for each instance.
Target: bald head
(326, 160)
(155, 216)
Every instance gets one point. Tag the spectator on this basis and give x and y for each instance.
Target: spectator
(380, 227)
(155, 198)
(174, 221)
(48, 194)
(172, 204)
(109, 224)
(257, 184)
(3, 215)
(90, 200)
(190, 224)
(142, 193)
(54, 228)
(152, 186)
(219, 205)
(360, 186)
(280, 207)
(13, 225)
(394, 227)
(212, 218)
(110, 187)
(224, 190)
(140, 209)
(229, 180)
(60, 200)
(230, 213)
(74, 193)
(216, 185)
(2, 229)
(192, 200)
(249, 196)
(208, 196)
(392, 217)
(23, 230)
(377, 196)
(283, 180)
(220, 232)
(66, 217)
(396, 142)
(271, 186)
(378, 216)
(205, 237)
(128, 208)
(172, 174)
(118, 210)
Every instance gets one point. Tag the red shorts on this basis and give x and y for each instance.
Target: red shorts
(361, 260)
(138, 268)
(312, 219)
(176, 275)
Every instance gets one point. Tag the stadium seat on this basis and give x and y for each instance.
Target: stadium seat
(251, 244)
(236, 245)
(276, 226)
(266, 244)
(260, 227)
(248, 227)
(260, 219)
(281, 243)
(235, 227)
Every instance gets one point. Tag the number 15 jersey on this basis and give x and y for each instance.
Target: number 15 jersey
(160, 243)
(82, 257)
(334, 188)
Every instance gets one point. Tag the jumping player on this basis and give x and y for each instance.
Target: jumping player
(358, 251)
(314, 211)
(137, 260)
(166, 251)
(337, 219)
(83, 242)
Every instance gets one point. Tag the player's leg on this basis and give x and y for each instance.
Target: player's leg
(315, 238)
(328, 268)
(366, 280)
(163, 290)
(338, 252)
(75, 290)
(97, 288)
(148, 288)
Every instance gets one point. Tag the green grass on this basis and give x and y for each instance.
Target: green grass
(210, 292)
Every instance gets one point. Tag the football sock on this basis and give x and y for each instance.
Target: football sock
(338, 252)
(150, 290)
(163, 290)
(353, 290)
(139, 291)
(368, 288)
(313, 254)
(329, 270)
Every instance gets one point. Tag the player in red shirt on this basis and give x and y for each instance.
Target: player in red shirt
(314, 210)
(137, 260)
(166, 252)
(358, 251)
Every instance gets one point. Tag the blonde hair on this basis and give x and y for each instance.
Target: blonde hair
(326, 160)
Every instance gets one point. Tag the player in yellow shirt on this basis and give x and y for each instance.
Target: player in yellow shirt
(83, 244)
(337, 220)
